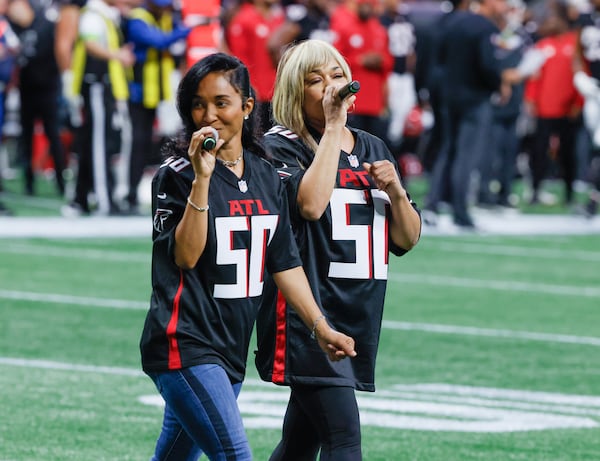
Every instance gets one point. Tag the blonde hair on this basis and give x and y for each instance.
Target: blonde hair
(296, 63)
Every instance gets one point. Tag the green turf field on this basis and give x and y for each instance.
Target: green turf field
(490, 351)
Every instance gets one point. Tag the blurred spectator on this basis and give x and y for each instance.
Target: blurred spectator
(151, 30)
(552, 98)
(39, 84)
(247, 36)
(66, 32)
(9, 44)
(303, 20)
(433, 89)
(401, 92)
(586, 65)
(471, 75)
(364, 43)
(99, 66)
(498, 174)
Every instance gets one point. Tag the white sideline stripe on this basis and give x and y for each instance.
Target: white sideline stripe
(474, 331)
(503, 285)
(141, 226)
(78, 253)
(507, 250)
(77, 300)
(51, 365)
(428, 327)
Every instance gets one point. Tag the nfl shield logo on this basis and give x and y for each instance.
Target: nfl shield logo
(353, 159)
(243, 186)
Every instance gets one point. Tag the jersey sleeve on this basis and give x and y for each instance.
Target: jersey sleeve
(290, 158)
(169, 194)
(283, 254)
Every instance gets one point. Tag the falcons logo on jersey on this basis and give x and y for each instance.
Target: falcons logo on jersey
(160, 217)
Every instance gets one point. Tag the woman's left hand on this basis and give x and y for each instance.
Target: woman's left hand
(386, 177)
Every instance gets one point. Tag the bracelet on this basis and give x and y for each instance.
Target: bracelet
(196, 207)
(313, 333)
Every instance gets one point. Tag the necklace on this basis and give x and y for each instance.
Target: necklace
(230, 163)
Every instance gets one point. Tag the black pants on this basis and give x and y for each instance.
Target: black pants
(540, 163)
(40, 103)
(142, 126)
(324, 418)
(97, 142)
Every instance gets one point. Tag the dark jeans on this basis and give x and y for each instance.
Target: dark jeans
(201, 416)
(466, 146)
(505, 144)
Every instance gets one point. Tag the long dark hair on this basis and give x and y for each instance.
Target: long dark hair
(237, 74)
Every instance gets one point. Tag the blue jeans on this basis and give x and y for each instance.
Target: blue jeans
(201, 416)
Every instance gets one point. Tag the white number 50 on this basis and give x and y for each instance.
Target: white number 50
(371, 241)
(249, 264)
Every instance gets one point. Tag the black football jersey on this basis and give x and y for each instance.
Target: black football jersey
(345, 257)
(590, 41)
(206, 314)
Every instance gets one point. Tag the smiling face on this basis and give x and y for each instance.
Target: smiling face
(315, 83)
(217, 103)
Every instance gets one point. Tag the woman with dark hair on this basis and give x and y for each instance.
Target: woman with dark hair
(221, 227)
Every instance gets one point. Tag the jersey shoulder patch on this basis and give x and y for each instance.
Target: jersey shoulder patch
(282, 131)
(176, 163)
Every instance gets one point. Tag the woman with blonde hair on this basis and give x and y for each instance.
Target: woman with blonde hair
(348, 210)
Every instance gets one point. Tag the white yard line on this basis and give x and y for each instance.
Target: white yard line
(86, 301)
(502, 285)
(513, 250)
(491, 332)
(387, 324)
(76, 253)
(141, 226)
(52, 365)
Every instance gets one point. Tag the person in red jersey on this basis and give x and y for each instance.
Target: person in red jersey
(365, 45)
(349, 211)
(221, 229)
(553, 100)
(247, 36)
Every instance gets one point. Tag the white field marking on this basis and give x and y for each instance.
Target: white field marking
(506, 411)
(84, 227)
(77, 253)
(502, 285)
(526, 252)
(475, 331)
(73, 300)
(387, 324)
(504, 394)
(430, 407)
(483, 402)
(51, 365)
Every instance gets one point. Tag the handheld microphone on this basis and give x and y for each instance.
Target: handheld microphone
(210, 141)
(350, 88)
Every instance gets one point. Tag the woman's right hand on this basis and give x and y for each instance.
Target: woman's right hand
(335, 109)
(203, 161)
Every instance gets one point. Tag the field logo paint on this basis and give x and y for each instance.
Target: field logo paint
(435, 407)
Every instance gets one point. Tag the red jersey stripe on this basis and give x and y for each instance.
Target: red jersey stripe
(280, 340)
(174, 355)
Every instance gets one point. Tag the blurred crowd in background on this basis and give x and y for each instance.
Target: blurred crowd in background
(470, 94)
